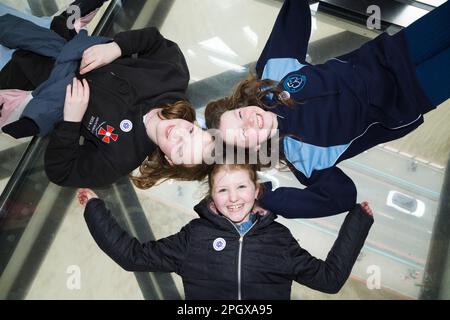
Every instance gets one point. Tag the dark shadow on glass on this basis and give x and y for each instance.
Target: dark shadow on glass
(127, 210)
(43, 8)
(392, 12)
(437, 272)
(123, 16)
(9, 158)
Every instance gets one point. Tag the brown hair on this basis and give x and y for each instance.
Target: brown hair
(250, 168)
(156, 168)
(250, 91)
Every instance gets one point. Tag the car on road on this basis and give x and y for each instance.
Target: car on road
(405, 203)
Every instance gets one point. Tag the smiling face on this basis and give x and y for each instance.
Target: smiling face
(234, 193)
(247, 127)
(181, 141)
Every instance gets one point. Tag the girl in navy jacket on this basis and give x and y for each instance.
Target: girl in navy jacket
(330, 112)
(234, 250)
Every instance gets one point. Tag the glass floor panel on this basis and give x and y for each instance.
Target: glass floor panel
(46, 251)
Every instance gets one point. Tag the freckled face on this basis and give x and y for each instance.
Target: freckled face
(181, 141)
(234, 194)
(248, 126)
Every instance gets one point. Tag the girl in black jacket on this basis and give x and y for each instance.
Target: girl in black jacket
(127, 109)
(129, 105)
(235, 250)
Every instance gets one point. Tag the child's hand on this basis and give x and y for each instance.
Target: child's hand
(77, 100)
(366, 208)
(99, 55)
(84, 195)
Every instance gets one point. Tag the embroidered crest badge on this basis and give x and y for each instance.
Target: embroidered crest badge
(107, 134)
(294, 83)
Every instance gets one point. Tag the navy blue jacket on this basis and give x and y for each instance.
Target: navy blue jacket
(261, 264)
(46, 107)
(343, 107)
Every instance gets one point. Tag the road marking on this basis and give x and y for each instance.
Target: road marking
(417, 265)
(406, 154)
(433, 195)
(438, 166)
(384, 215)
(422, 160)
(391, 149)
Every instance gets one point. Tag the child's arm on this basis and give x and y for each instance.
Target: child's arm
(330, 275)
(68, 163)
(164, 255)
(125, 43)
(289, 37)
(328, 192)
(145, 43)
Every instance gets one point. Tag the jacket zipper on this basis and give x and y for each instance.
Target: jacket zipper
(241, 241)
(116, 76)
(111, 73)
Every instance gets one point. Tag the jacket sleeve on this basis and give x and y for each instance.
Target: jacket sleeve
(147, 42)
(330, 275)
(164, 255)
(18, 33)
(290, 34)
(327, 193)
(67, 163)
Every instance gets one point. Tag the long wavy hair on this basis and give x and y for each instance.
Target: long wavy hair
(250, 91)
(156, 169)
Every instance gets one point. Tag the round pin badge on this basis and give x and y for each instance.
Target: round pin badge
(219, 244)
(126, 125)
(284, 95)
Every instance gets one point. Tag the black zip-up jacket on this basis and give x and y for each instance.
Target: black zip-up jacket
(151, 72)
(215, 262)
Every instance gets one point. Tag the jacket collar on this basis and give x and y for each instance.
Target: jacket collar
(204, 210)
